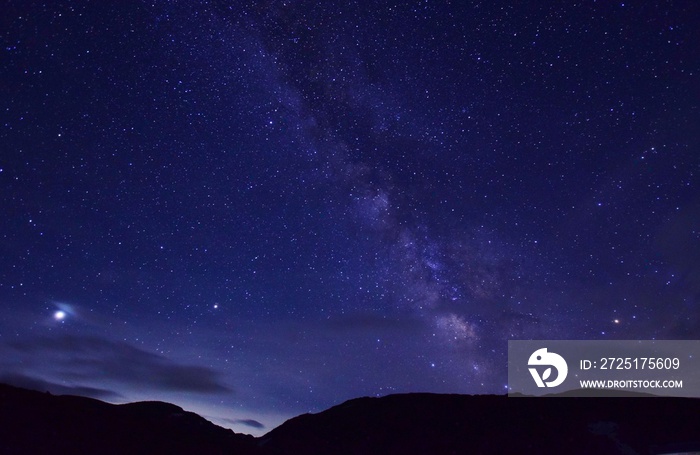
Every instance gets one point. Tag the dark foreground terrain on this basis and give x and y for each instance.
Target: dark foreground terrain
(34, 422)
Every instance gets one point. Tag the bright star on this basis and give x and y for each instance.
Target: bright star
(59, 315)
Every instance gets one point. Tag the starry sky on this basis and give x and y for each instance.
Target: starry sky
(259, 209)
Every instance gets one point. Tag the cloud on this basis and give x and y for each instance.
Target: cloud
(247, 422)
(32, 383)
(88, 357)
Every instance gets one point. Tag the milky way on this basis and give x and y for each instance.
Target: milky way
(258, 210)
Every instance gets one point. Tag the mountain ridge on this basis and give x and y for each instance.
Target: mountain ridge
(414, 423)
(36, 422)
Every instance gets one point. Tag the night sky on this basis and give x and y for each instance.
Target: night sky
(259, 209)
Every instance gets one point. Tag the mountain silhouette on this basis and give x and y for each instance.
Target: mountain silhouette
(40, 423)
(419, 423)
(488, 424)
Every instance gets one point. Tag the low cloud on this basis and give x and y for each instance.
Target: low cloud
(84, 358)
(247, 422)
(32, 383)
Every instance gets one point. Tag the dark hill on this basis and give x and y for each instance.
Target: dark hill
(33, 422)
(462, 424)
(39, 423)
